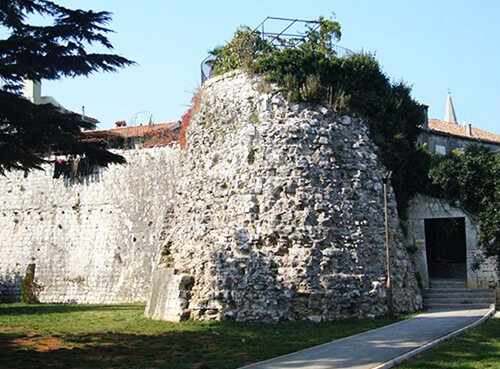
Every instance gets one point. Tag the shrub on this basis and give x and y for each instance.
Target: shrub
(240, 53)
(311, 90)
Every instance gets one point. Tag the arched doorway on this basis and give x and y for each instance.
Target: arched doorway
(446, 248)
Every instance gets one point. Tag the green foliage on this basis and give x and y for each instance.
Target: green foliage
(241, 52)
(321, 40)
(251, 155)
(28, 132)
(472, 181)
(291, 67)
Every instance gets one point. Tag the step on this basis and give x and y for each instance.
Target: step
(451, 290)
(456, 306)
(459, 300)
(459, 293)
(453, 298)
(450, 284)
(460, 297)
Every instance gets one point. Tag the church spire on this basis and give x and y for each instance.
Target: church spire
(449, 113)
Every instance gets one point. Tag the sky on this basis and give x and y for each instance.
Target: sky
(434, 46)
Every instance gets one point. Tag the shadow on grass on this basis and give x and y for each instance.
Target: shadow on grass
(190, 346)
(120, 337)
(180, 350)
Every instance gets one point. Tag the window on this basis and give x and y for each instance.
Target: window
(440, 149)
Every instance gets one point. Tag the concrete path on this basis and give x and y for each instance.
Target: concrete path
(383, 347)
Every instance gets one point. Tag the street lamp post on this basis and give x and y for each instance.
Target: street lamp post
(388, 284)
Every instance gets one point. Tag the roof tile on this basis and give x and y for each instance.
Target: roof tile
(132, 131)
(461, 131)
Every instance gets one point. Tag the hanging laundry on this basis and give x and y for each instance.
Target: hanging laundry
(58, 168)
(74, 167)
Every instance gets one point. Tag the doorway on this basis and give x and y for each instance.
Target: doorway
(446, 248)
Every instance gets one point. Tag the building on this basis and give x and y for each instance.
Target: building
(445, 237)
(444, 136)
(32, 91)
(127, 137)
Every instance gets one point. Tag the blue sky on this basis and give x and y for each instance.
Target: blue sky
(432, 45)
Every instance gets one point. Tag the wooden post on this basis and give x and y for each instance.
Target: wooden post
(388, 284)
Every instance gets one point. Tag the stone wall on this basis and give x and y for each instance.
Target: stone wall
(425, 207)
(279, 215)
(451, 143)
(274, 211)
(93, 240)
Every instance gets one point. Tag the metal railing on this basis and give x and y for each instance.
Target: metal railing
(286, 38)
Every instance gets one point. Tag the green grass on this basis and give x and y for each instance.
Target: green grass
(118, 336)
(477, 349)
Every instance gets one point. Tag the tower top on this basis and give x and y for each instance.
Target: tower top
(449, 113)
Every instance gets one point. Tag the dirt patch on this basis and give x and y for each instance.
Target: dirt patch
(40, 344)
(14, 329)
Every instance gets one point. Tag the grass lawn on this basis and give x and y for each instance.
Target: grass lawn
(118, 336)
(477, 349)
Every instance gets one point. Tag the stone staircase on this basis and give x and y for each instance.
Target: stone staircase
(454, 295)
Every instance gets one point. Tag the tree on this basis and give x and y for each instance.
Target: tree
(472, 180)
(29, 132)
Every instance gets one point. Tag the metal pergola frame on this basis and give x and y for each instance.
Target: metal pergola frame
(282, 39)
(276, 37)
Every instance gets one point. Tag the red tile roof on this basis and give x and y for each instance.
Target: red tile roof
(460, 130)
(132, 131)
(139, 131)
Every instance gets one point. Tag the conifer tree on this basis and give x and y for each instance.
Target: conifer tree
(29, 132)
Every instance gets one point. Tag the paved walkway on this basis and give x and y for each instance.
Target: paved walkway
(383, 347)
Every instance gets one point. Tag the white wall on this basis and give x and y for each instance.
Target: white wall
(424, 207)
(93, 240)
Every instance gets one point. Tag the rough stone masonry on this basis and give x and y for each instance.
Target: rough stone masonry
(278, 214)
